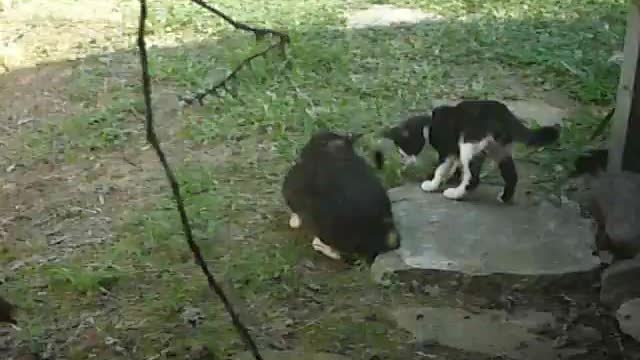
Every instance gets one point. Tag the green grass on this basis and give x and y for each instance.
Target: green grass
(336, 78)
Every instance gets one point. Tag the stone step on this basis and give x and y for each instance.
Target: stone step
(490, 332)
(480, 236)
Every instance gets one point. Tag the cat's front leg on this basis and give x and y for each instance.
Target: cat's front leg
(444, 170)
(467, 151)
(325, 249)
(294, 221)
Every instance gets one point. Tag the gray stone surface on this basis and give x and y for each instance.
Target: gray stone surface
(617, 196)
(620, 282)
(533, 111)
(292, 355)
(388, 15)
(481, 236)
(628, 316)
(489, 332)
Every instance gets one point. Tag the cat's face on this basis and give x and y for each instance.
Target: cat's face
(409, 139)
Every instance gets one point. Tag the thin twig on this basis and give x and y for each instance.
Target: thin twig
(283, 40)
(603, 124)
(222, 84)
(152, 138)
(259, 32)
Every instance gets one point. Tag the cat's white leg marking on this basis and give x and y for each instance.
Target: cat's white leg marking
(467, 152)
(441, 171)
(325, 249)
(295, 221)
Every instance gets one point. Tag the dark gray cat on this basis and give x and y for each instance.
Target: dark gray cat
(336, 195)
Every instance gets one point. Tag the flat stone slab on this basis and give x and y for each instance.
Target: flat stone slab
(489, 332)
(628, 316)
(388, 15)
(619, 283)
(481, 236)
(532, 111)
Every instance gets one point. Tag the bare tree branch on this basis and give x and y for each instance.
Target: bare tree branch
(259, 32)
(224, 83)
(283, 40)
(152, 138)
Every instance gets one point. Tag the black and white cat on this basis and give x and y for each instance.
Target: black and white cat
(464, 135)
(337, 196)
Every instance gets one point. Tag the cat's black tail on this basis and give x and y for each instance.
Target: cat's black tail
(535, 137)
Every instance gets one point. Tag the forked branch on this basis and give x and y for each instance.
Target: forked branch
(283, 40)
(152, 138)
(259, 32)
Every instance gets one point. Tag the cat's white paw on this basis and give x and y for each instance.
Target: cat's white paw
(454, 193)
(500, 196)
(325, 249)
(429, 186)
(294, 221)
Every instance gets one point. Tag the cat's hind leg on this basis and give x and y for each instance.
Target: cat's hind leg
(445, 169)
(510, 176)
(467, 152)
(325, 249)
(295, 221)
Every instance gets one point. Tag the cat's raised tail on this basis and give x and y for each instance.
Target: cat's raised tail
(535, 137)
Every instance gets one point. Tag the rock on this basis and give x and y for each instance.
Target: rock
(384, 262)
(292, 355)
(192, 315)
(489, 332)
(628, 316)
(481, 236)
(535, 321)
(620, 282)
(615, 202)
(388, 15)
(584, 335)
